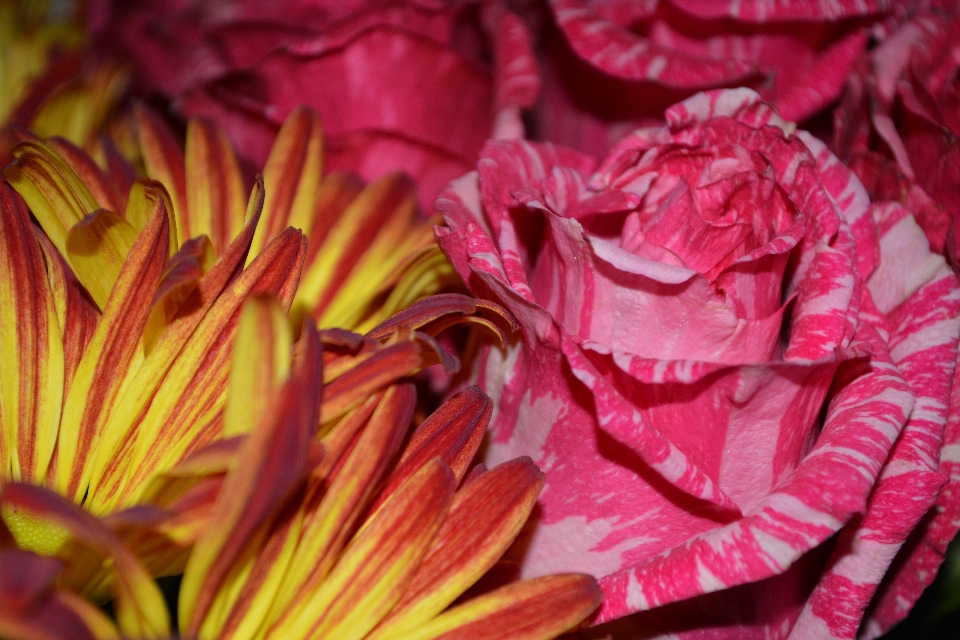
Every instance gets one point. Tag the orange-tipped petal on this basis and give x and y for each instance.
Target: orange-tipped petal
(486, 516)
(292, 177)
(378, 564)
(260, 364)
(453, 432)
(96, 249)
(215, 200)
(139, 604)
(165, 162)
(328, 526)
(31, 351)
(53, 191)
(270, 464)
(106, 363)
(536, 609)
(384, 367)
(424, 312)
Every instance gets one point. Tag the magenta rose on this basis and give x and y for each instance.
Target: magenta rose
(612, 66)
(735, 370)
(417, 86)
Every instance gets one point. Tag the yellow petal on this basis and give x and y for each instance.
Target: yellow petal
(143, 200)
(113, 355)
(327, 526)
(536, 609)
(31, 351)
(260, 364)
(215, 200)
(55, 194)
(486, 516)
(291, 177)
(165, 163)
(96, 249)
(377, 565)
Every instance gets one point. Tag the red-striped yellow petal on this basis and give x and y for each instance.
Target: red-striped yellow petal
(77, 317)
(486, 516)
(260, 364)
(291, 177)
(214, 185)
(122, 430)
(187, 404)
(110, 358)
(271, 462)
(164, 160)
(55, 194)
(536, 609)
(328, 526)
(387, 204)
(142, 200)
(89, 173)
(96, 249)
(378, 564)
(31, 351)
(180, 279)
(453, 432)
(138, 602)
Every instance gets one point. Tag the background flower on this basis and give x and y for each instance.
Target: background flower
(414, 86)
(611, 66)
(720, 366)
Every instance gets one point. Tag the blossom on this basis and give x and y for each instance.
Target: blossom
(398, 85)
(735, 369)
(336, 532)
(368, 253)
(613, 66)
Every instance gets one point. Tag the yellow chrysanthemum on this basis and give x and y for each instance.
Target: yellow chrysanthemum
(369, 254)
(353, 529)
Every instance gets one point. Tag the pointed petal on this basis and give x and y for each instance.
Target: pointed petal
(377, 565)
(291, 177)
(270, 464)
(75, 313)
(453, 432)
(186, 407)
(535, 609)
(55, 194)
(113, 350)
(139, 604)
(89, 173)
(165, 162)
(31, 351)
(327, 526)
(260, 364)
(142, 200)
(375, 372)
(388, 202)
(486, 516)
(96, 249)
(215, 201)
(120, 434)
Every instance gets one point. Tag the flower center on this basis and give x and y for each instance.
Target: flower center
(35, 534)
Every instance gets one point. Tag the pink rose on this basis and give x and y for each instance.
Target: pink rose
(617, 65)
(735, 369)
(902, 101)
(399, 85)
